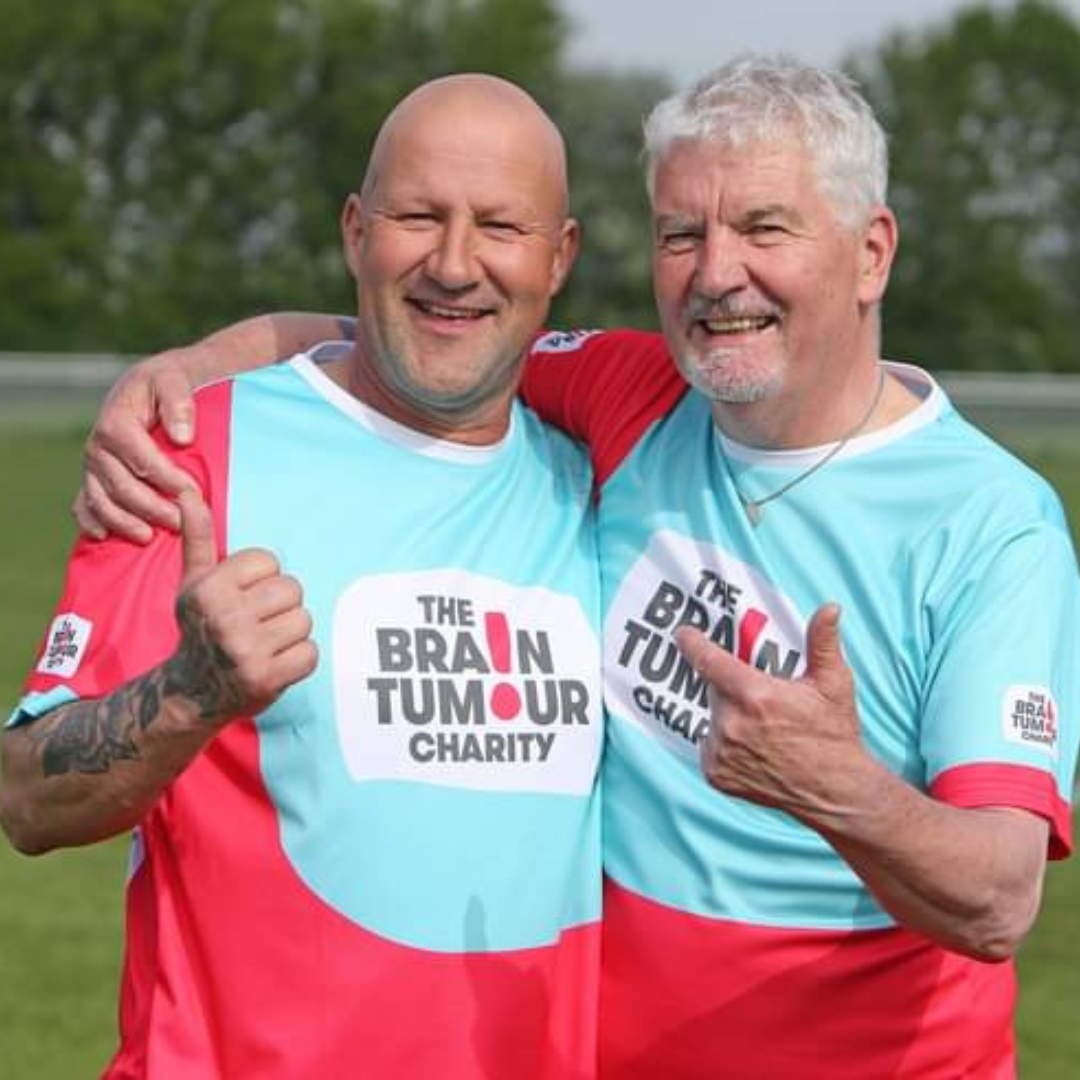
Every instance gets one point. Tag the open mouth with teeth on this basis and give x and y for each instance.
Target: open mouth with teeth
(453, 314)
(742, 324)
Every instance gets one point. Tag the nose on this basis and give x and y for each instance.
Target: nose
(721, 268)
(453, 262)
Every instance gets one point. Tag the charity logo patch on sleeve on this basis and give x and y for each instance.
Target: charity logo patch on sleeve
(1029, 716)
(66, 645)
(561, 341)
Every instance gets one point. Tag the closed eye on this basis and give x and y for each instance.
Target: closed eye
(499, 225)
(678, 242)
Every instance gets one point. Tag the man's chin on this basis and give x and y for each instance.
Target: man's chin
(727, 378)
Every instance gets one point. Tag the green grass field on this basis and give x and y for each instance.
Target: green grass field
(60, 915)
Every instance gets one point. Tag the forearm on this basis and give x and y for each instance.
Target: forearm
(92, 769)
(258, 341)
(970, 879)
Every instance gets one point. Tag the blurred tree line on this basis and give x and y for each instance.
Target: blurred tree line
(166, 168)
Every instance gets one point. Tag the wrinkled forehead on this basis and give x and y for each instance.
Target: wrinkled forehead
(705, 168)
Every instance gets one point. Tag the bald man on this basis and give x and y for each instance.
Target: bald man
(359, 763)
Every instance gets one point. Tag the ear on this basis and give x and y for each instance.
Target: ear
(352, 231)
(566, 250)
(878, 247)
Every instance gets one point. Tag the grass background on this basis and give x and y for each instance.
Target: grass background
(60, 934)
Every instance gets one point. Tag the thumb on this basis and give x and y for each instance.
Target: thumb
(197, 533)
(824, 651)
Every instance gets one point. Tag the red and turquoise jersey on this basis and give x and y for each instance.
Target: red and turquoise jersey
(394, 871)
(737, 943)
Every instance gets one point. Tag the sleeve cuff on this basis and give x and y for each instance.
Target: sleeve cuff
(35, 705)
(1018, 786)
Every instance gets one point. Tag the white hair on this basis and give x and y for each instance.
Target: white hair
(772, 100)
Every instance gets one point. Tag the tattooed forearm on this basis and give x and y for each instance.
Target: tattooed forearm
(88, 736)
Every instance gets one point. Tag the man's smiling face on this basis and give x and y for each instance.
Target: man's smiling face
(457, 242)
(757, 283)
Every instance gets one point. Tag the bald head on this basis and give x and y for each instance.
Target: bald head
(452, 111)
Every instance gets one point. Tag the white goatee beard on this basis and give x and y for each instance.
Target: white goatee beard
(720, 377)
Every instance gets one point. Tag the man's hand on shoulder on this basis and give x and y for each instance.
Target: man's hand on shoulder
(129, 485)
(128, 482)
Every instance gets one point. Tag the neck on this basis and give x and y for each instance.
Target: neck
(754, 506)
(481, 425)
(870, 400)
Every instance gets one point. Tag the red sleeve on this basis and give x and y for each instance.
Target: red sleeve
(602, 387)
(115, 616)
(1016, 786)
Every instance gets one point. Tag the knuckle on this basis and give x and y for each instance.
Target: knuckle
(251, 672)
(269, 560)
(99, 509)
(758, 699)
(292, 590)
(108, 480)
(259, 560)
(106, 430)
(713, 769)
(93, 452)
(203, 600)
(309, 657)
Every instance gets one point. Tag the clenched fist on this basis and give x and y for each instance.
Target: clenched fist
(245, 634)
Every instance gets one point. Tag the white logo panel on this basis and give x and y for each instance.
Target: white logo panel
(452, 678)
(677, 581)
(65, 646)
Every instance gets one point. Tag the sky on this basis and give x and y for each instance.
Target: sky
(685, 38)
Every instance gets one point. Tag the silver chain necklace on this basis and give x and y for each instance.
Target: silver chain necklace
(754, 508)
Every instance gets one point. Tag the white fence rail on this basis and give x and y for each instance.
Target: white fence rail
(40, 388)
(60, 370)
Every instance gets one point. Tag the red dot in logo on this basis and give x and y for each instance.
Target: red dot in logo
(505, 701)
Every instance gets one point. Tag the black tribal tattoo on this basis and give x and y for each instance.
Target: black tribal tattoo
(89, 736)
(201, 670)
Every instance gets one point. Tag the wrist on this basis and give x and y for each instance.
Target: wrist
(199, 362)
(198, 692)
(856, 803)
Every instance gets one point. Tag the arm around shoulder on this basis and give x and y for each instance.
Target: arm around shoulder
(127, 476)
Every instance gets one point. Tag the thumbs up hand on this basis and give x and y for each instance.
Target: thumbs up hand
(791, 744)
(244, 633)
